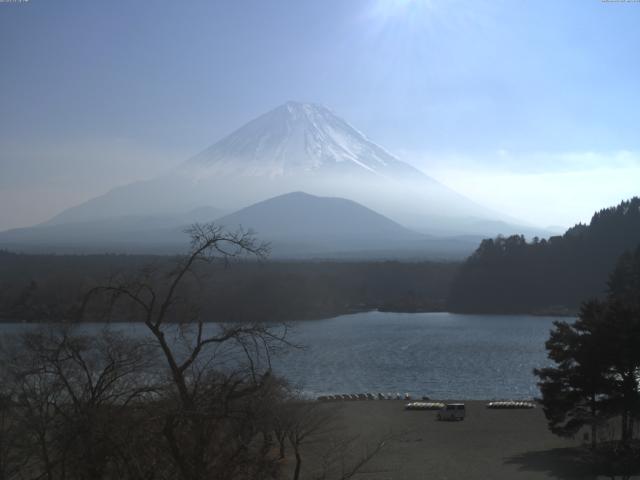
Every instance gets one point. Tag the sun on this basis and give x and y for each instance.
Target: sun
(402, 7)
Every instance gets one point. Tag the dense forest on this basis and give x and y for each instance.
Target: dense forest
(44, 287)
(507, 275)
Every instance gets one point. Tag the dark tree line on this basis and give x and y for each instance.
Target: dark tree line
(34, 287)
(596, 378)
(507, 275)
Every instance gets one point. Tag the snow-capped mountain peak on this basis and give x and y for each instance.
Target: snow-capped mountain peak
(298, 138)
(294, 147)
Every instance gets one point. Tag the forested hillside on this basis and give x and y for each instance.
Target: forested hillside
(512, 275)
(42, 287)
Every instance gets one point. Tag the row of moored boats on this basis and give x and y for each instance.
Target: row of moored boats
(425, 404)
(365, 396)
(510, 404)
(505, 404)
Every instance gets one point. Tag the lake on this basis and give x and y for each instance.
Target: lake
(440, 355)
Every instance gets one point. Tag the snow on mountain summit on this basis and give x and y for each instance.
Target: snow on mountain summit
(294, 147)
(298, 138)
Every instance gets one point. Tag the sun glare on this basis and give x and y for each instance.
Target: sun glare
(403, 7)
(411, 15)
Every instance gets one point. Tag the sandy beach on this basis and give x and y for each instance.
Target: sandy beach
(488, 444)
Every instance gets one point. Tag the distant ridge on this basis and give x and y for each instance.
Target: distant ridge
(298, 225)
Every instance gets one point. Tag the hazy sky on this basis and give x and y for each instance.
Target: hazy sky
(531, 108)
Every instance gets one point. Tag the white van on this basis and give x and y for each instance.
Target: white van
(452, 411)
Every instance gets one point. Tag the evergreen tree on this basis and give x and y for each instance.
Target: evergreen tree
(597, 360)
(573, 392)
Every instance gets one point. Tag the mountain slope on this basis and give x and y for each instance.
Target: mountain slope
(301, 225)
(123, 234)
(295, 147)
(299, 139)
(303, 216)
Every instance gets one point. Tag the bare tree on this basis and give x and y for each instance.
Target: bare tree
(303, 420)
(188, 400)
(71, 393)
(10, 461)
(216, 370)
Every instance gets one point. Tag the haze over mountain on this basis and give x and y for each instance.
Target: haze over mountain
(122, 234)
(297, 225)
(298, 147)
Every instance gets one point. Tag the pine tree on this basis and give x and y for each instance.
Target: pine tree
(597, 360)
(573, 392)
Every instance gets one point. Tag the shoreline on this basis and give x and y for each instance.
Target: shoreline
(328, 316)
(430, 400)
(436, 307)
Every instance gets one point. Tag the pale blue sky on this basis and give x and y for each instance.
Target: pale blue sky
(529, 107)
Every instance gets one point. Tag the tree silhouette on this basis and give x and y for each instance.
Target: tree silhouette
(573, 392)
(597, 358)
(512, 275)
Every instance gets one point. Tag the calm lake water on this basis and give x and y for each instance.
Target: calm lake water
(441, 355)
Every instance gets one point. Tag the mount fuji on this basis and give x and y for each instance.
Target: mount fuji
(299, 139)
(296, 147)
